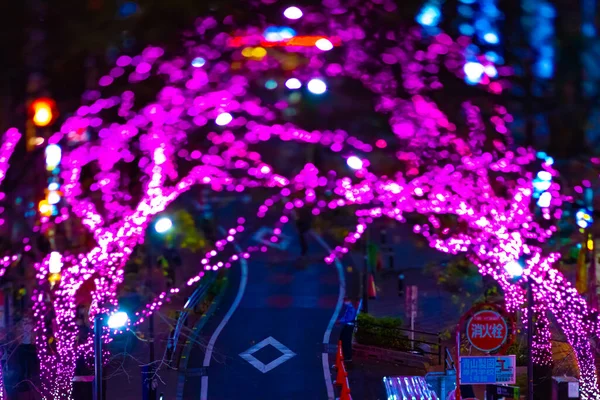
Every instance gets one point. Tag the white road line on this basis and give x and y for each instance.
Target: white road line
(334, 317)
(217, 332)
(204, 388)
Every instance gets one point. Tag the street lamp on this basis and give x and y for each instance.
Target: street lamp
(115, 321)
(354, 162)
(163, 225)
(516, 270)
(118, 320)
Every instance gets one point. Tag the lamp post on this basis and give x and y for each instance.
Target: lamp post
(115, 321)
(161, 226)
(515, 270)
(357, 164)
(98, 357)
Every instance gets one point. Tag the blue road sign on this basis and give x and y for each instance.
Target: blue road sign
(487, 370)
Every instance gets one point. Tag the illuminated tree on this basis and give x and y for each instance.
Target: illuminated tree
(202, 117)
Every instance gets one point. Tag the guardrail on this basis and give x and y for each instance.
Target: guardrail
(396, 338)
(192, 301)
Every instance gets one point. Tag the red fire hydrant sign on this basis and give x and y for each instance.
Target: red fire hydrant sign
(487, 330)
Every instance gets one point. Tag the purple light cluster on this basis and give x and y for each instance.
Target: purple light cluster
(205, 124)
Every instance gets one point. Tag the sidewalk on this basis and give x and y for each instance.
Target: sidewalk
(436, 311)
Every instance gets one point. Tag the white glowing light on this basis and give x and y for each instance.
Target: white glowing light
(541, 186)
(53, 155)
(491, 38)
(491, 71)
(317, 86)
(223, 119)
(198, 62)
(159, 156)
(473, 71)
(324, 44)
(118, 320)
(354, 162)
(55, 263)
(514, 269)
(544, 175)
(163, 225)
(53, 186)
(293, 13)
(293, 83)
(53, 198)
(545, 200)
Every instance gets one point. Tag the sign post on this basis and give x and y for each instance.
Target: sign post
(412, 294)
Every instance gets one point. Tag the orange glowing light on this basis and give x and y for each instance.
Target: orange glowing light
(43, 112)
(296, 41)
(45, 208)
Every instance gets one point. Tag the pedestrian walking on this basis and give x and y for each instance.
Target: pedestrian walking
(348, 321)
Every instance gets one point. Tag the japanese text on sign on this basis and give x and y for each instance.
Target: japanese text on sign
(487, 330)
(487, 370)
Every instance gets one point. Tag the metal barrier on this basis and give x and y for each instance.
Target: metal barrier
(395, 338)
(192, 301)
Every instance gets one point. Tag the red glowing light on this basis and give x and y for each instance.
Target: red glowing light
(296, 41)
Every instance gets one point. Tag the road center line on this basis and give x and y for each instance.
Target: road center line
(334, 317)
(224, 321)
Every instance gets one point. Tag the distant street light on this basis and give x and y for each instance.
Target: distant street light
(118, 320)
(514, 269)
(163, 225)
(324, 44)
(293, 83)
(115, 321)
(354, 162)
(293, 13)
(317, 86)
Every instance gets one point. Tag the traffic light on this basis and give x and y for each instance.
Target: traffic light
(43, 112)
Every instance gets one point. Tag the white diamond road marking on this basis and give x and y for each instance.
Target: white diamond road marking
(286, 355)
(261, 236)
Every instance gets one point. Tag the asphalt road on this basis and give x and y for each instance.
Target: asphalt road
(266, 339)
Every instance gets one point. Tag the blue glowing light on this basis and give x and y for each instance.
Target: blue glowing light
(491, 38)
(466, 29)
(128, 8)
(278, 33)
(430, 15)
(271, 84)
